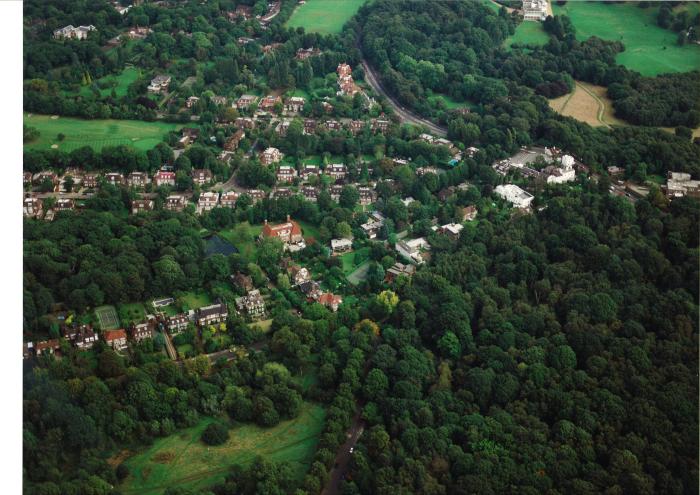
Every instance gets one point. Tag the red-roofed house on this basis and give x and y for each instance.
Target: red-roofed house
(115, 338)
(288, 232)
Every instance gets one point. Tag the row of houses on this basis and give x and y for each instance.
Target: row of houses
(311, 126)
(292, 104)
(84, 337)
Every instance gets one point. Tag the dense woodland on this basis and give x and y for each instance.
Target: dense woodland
(554, 352)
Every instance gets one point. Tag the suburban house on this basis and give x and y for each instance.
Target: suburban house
(245, 101)
(189, 135)
(268, 103)
(201, 176)
(615, 171)
(27, 178)
(269, 48)
(137, 179)
(244, 40)
(333, 125)
(175, 202)
(177, 323)
(33, 207)
(310, 193)
(282, 128)
(91, 180)
(311, 289)
(115, 338)
(289, 232)
(270, 156)
(286, 173)
(308, 171)
(47, 347)
(251, 304)
(304, 53)
(159, 84)
(515, 195)
(446, 193)
(367, 195)
(294, 104)
(534, 10)
(330, 300)
(680, 184)
(336, 171)
(228, 199)
(245, 123)
(191, 101)
(141, 332)
(309, 126)
(219, 101)
(256, 195)
(298, 274)
(356, 126)
(467, 214)
(327, 107)
(242, 281)
(341, 245)
(141, 205)
(420, 171)
(73, 33)
(46, 175)
(398, 270)
(232, 142)
(281, 192)
(207, 201)
(244, 12)
(344, 70)
(214, 313)
(452, 230)
(335, 191)
(163, 178)
(114, 178)
(85, 337)
(560, 175)
(413, 250)
(64, 204)
(380, 125)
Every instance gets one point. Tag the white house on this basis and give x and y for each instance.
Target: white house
(411, 250)
(560, 175)
(515, 195)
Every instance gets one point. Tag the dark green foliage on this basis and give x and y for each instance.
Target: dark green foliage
(215, 434)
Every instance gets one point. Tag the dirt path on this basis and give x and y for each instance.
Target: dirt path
(342, 458)
(600, 114)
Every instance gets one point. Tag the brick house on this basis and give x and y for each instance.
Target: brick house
(114, 178)
(137, 179)
(330, 300)
(228, 199)
(268, 103)
(47, 347)
(252, 304)
(304, 53)
(214, 313)
(207, 201)
(286, 174)
(367, 195)
(175, 202)
(256, 195)
(27, 178)
(281, 192)
(91, 180)
(177, 323)
(298, 274)
(294, 104)
(245, 123)
(201, 176)
(242, 281)
(141, 205)
(33, 207)
(85, 337)
(141, 332)
(64, 204)
(309, 126)
(336, 171)
(308, 171)
(245, 101)
(288, 232)
(163, 178)
(270, 156)
(232, 142)
(333, 125)
(310, 193)
(356, 126)
(115, 338)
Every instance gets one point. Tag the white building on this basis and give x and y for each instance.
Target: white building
(515, 195)
(560, 175)
(76, 33)
(411, 250)
(341, 245)
(534, 10)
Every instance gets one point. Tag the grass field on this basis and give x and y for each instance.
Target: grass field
(324, 16)
(195, 299)
(360, 274)
(95, 133)
(347, 260)
(263, 325)
(119, 83)
(587, 103)
(309, 230)
(182, 460)
(649, 49)
(131, 313)
(528, 33)
(244, 243)
(449, 102)
(107, 317)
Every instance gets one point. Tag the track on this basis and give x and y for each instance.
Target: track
(404, 114)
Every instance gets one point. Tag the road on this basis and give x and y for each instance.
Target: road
(170, 347)
(404, 114)
(342, 458)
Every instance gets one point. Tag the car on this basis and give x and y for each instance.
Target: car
(352, 449)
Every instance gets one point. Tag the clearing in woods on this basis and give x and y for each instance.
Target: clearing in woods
(587, 103)
(183, 460)
(324, 16)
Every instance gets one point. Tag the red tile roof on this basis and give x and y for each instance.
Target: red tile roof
(111, 335)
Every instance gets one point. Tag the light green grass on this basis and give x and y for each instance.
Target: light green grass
(528, 33)
(324, 16)
(195, 299)
(347, 260)
(107, 317)
(449, 102)
(263, 325)
(649, 49)
(309, 230)
(360, 274)
(182, 459)
(96, 133)
(246, 245)
(119, 83)
(134, 312)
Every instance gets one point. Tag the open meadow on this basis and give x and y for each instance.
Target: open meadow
(588, 103)
(95, 133)
(183, 460)
(528, 33)
(324, 16)
(649, 49)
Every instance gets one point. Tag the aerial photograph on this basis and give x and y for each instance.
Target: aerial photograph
(354, 247)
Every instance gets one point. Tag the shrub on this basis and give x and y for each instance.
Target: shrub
(215, 434)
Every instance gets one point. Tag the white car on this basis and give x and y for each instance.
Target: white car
(352, 449)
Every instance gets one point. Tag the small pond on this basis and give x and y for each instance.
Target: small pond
(218, 245)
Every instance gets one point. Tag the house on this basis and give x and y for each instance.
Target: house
(137, 179)
(281, 192)
(515, 195)
(91, 180)
(175, 202)
(141, 205)
(336, 171)
(311, 289)
(256, 195)
(309, 126)
(680, 184)
(333, 125)
(73, 33)
(64, 204)
(310, 193)
(177, 323)
(335, 192)
(304, 53)
(367, 195)
(207, 201)
(398, 270)
(269, 48)
(191, 101)
(27, 178)
(138, 33)
(294, 104)
(534, 10)
(407, 201)
(380, 125)
(270, 156)
(341, 245)
(46, 175)
(242, 281)
(251, 304)
(27, 350)
(615, 171)
(308, 171)
(245, 123)
(282, 128)
(115, 338)
(371, 228)
(159, 84)
(327, 107)
(466, 214)
(330, 300)
(202, 176)
(163, 178)
(347, 86)
(245, 101)
(219, 101)
(268, 103)
(232, 142)
(214, 313)
(413, 250)
(33, 207)
(560, 175)
(228, 199)
(47, 347)
(85, 337)
(298, 275)
(288, 232)
(243, 40)
(114, 178)
(452, 230)
(286, 173)
(344, 70)
(356, 126)
(444, 194)
(421, 171)
(141, 332)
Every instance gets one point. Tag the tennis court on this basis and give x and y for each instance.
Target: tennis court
(107, 316)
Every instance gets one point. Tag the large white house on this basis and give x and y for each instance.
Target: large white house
(534, 10)
(515, 195)
(76, 33)
(412, 249)
(560, 175)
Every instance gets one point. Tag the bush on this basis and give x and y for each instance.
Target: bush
(122, 471)
(215, 434)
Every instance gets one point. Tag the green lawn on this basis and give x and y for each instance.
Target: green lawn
(182, 460)
(263, 325)
(360, 274)
(449, 102)
(649, 49)
(324, 16)
(243, 237)
(195, 299)
(348, 260)
(131, 313)
(119, 83)
(95, 133)
(528, 33)
(309, 230)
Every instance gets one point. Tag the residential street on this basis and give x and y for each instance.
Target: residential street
(343, 456)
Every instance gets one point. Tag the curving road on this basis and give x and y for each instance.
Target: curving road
(404, 114)
(343, 456)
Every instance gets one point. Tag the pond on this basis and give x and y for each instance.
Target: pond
(218, 245)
